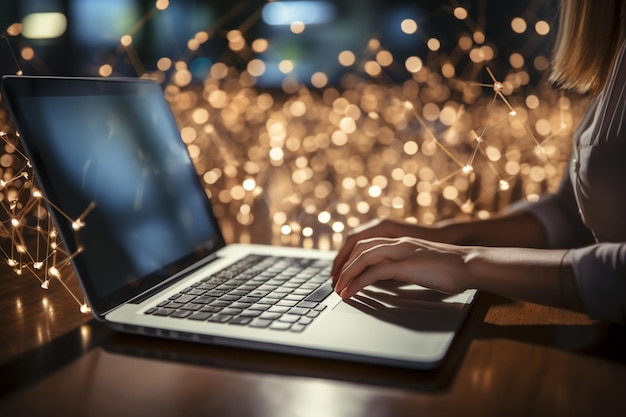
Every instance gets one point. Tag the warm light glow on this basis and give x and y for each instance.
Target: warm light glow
(460, 13)
(518, 25)
(384, 58)
(542, 27)
(256, 67)
(319, 80)
(285, 66)
(105, 70)
(162, 4)
(164, 64)
(297, 27)
(249, 184)
(324, 217)
(434, 44)
(408, 26)
(372, 68)
(346, 58)
(467, 169)
(126, 40)
(413, 64)
(260, 45)
(28, 53)
(15, 29)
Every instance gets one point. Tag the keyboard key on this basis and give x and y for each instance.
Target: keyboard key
(242, 321)
(221, 318)
(170, 304)
(289, 318)
(279, 309)
(305, 320)
(259, 307)
(280, 325)
(299, 311)
(191, 307)
(321, 293)
(268, 301)
(185, 298)
(240, 305)
(297, 328)
(200, 315)
(164, 311)
(193, 291)
(251, 313)
(181, 314)
(313, 314)
(270, 316)
(307, 304)
(249, 299)
(204, 299)
(230, 297)
(260, 323)
(258, 294)
(221, 303)
(231, 311)
(211, 309)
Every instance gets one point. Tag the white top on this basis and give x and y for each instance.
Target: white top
(588, 211)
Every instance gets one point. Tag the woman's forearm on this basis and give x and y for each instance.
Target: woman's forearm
(520, 229)
(539, 276)
(517, 229)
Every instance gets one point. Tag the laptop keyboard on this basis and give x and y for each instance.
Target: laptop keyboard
(278, 293)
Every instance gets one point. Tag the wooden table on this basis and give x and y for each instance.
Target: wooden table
(511, 359)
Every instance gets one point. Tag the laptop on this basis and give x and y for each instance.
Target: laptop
(151, 260)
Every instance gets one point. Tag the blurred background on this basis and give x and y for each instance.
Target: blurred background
(75, 37)
(306, 118)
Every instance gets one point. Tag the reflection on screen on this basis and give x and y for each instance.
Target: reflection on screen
(123, 153)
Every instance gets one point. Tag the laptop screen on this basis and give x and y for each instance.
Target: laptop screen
(115, 144)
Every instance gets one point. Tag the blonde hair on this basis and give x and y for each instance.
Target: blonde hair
(586, 44)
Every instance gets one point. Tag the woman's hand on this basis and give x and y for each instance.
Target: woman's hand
(438, 266)
(377, 228)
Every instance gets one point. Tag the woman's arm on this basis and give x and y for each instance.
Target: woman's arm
(521, 229)
(535, 275)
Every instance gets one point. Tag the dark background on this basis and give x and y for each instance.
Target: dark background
(94, 28)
